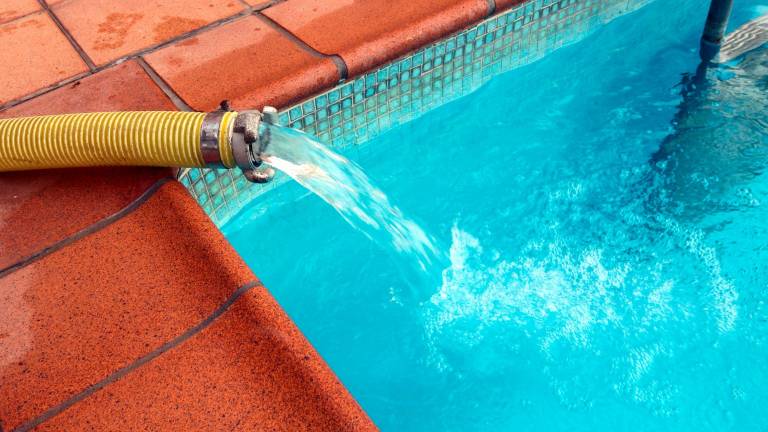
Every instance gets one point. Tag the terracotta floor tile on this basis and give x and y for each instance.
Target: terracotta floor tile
(259, 4)
(77, 198)
(35, 54)
(10, 9)
(81, 313)
(251, 370)
(506, 4)
(110, 29)
(245, 61)
(40, 208)
(367, 34)
(125, 87)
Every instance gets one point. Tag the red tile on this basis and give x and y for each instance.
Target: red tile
(367, 34)
(35, 54)
(40, 208)
(80, 313)
(125, 87)
(245, 61)
(110, 29)
(77, 198)
(506, 4)
(250, 370)
(10, 9)
(261, 4)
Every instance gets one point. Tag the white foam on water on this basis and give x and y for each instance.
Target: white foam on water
(639, 381)
(722, 291)
(561, 297)
(580, 311)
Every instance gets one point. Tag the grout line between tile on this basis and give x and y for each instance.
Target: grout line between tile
(125, 370)
(267, 4)
(287, 33)
(11, 21)
(341, 65)
(190, 34)
(44, 90)
(491, 7)
(338, 61)
(95, 227)
(131, 56)
(177, 100)
(80, 51)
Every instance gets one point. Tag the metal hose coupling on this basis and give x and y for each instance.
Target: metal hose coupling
(243, 136)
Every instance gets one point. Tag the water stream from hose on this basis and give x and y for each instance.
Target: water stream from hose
(343, 184)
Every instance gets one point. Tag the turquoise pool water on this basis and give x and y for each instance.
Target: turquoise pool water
(605, 259)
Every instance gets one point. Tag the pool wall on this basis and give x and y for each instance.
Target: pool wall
(359, 109)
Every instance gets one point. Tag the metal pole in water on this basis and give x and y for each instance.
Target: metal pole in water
(714, 29)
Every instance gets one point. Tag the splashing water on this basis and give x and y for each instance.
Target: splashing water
(343, 184)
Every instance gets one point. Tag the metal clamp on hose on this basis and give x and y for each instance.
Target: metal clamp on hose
(230, 139)
(210, 135)
(248, 144)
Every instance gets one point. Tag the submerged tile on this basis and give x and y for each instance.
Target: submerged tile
(35, 55)
(79, 314)
(110, 29)
(245, 61)
(367, 34)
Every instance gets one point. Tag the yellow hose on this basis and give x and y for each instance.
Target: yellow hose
(108, 139)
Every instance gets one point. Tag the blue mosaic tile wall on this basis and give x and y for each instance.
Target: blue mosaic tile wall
(360, 109)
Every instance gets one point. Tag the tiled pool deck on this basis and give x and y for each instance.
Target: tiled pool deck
(121, 304)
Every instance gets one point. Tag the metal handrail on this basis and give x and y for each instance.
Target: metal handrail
(714, 29)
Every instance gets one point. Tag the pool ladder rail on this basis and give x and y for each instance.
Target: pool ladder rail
(716, 47)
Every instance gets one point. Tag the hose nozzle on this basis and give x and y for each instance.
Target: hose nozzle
(245, 136)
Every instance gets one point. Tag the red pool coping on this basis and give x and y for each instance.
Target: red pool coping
(121, 304)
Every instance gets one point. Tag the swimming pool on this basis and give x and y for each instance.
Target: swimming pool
(606, 259)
